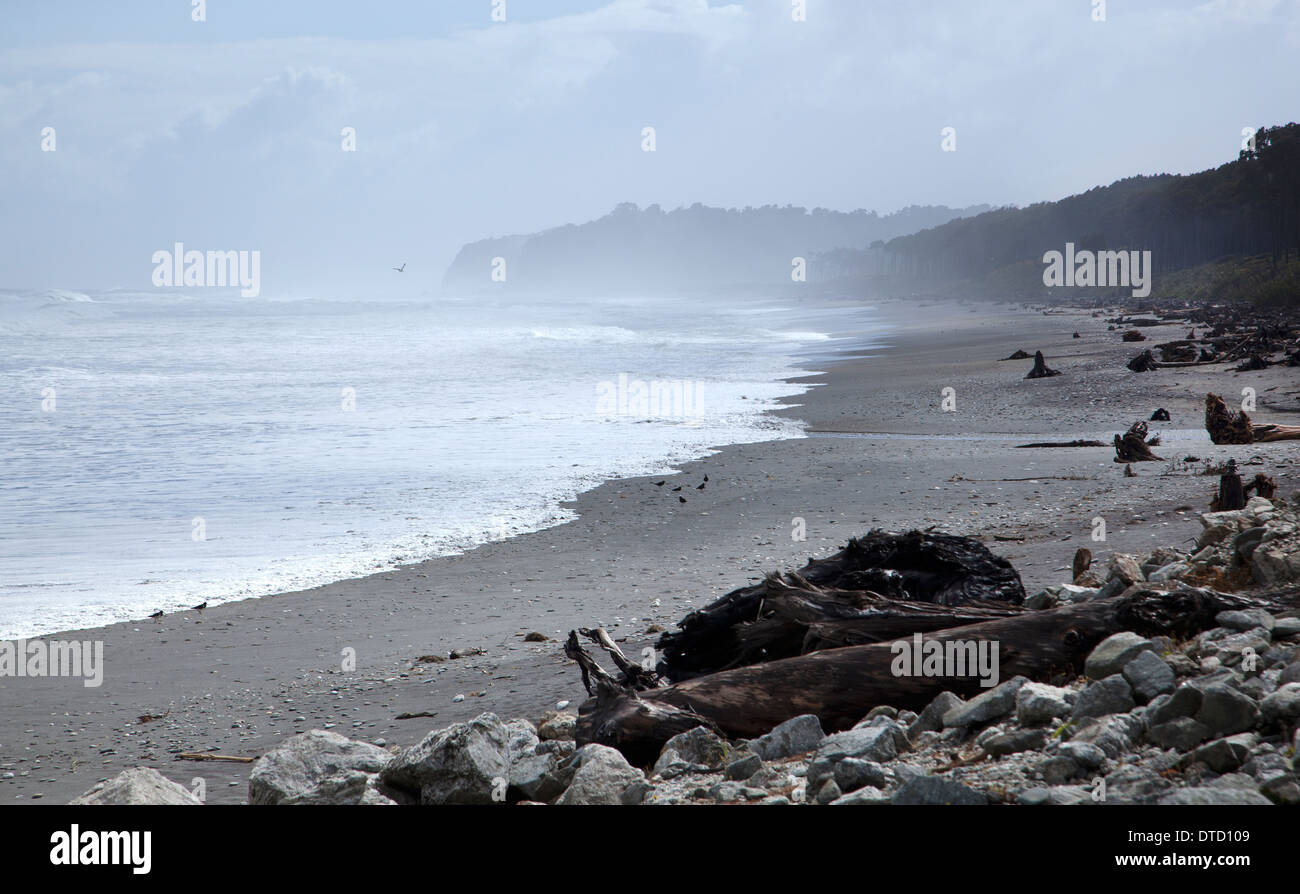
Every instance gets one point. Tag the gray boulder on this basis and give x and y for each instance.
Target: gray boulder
(697, 750)
(1225, 710)
(1181, 734)
(462, 764)
(931, 717)
(603, 777)
(139, 785)
(318, 767)
(796, 736)
(1282, 706)
(1038, 703)
(1227, 754)
(1111, 695)
(936, 790)
(1149, 675)
(1112, 653)
(997, 702)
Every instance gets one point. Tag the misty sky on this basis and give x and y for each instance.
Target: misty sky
(225, 134)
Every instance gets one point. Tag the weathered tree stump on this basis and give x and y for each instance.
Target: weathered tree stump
(1231, 495)
(1133, 446)
(1041, 370)
(1144, 362)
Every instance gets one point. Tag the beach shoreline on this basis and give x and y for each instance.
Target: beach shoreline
(243, 676)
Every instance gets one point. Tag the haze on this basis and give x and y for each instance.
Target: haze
(227, 134)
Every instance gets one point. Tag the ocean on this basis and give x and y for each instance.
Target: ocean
(161, 450)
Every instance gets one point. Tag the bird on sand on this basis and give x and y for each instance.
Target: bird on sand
(677, 488)
(681, 499)
(660, 483)
(701, 486)
(157, 614)
(401, 269)
(706, 477)
(201, 606)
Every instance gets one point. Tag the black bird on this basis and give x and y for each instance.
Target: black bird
(201, 606)
(660, 483)
(157, 614)
(701, 486)
(681, 499)
(677, 488)
(706, 477)
(401, 269)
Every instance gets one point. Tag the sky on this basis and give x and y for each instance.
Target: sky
(227, 133)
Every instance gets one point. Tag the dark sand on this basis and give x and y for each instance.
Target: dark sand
(241, 677)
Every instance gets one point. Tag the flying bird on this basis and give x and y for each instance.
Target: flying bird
(401, 269)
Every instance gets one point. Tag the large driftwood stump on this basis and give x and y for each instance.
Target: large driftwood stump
(1144, 362)
(877, 587)
(1231, 495)
(1133, 447)
(1041, 369)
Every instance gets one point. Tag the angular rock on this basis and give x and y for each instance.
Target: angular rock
(603, 777)
(1015, 741)
(936, 790)
(796, 736)
(743, 766)
(1184, 701)
(139, 785)
(1283, 706)
(931, 717)
(697, 750)
(1149, 675)
(1242, 621)
(852, 774)
(1225, 710)
(557, 725)
(1111, 695)
(1181, 734)
(1228, 754)
(1038, 703)
(997, 702)
(1112, 653)
(316, 767)
(461, 764)
(1114, 734)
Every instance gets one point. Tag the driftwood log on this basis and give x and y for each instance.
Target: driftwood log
(841, 685)
(879, 586)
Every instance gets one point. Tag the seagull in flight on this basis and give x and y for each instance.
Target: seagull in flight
(401, 269)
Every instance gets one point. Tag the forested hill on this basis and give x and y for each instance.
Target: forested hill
(1242, 216)
(635, 250)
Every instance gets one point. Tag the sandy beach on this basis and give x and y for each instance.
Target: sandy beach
(881, 452)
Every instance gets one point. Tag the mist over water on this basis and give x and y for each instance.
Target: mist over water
(201, 448)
